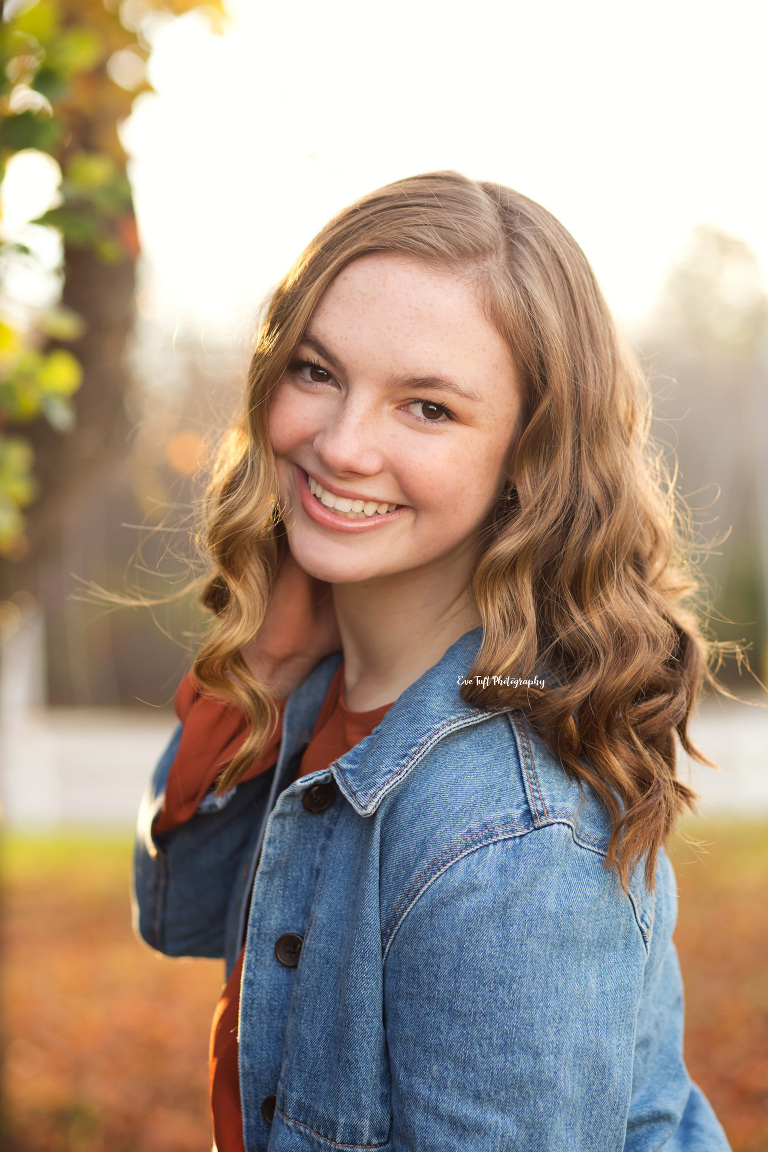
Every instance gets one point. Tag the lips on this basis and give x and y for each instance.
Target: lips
(350, 509)
(327, 518)
(344, 494)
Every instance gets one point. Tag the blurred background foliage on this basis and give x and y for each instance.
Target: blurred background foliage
(706, 347)
(71, 70)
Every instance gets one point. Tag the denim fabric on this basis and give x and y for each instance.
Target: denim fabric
(471, 976)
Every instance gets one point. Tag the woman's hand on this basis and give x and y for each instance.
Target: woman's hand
(299, 629)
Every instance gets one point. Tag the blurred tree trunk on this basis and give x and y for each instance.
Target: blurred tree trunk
(91, 458)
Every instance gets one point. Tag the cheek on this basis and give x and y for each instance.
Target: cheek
(459, 485)
(458, 507)
(288, 421)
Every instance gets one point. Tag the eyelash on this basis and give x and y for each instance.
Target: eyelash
(296, 365)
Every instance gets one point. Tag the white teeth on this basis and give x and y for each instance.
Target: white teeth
(344, 506)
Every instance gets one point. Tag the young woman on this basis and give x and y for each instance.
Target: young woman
(425, 769)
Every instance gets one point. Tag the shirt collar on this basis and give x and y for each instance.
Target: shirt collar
(426, 712)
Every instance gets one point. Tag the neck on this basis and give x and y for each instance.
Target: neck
(394, 628)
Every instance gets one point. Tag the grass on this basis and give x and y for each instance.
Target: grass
(106, 1042)
(98, 857)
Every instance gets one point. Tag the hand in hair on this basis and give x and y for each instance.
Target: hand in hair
(299, 629)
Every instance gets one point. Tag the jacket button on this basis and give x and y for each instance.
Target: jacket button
(319, 797)
(288, 950)
(268, 1105)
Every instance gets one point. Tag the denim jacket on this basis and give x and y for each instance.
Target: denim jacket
(436, 958)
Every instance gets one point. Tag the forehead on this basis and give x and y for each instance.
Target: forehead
(405, 306)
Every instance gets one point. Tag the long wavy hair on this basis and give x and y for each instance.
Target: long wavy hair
(585, 571)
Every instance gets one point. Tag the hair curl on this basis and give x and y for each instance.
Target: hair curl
(586, 572)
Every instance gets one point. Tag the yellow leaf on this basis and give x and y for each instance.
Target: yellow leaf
(60, 374)
(40, 21)
(90, 170)
(10, 340)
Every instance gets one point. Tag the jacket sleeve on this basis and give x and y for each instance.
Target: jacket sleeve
(512, 984)
(192, 847)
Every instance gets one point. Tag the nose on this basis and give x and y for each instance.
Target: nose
(350, 440)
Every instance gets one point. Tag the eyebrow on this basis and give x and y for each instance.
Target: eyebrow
(430, 381)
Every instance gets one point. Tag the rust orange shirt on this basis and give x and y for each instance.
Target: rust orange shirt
(213, 731)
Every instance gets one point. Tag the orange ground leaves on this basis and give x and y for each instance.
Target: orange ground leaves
(106, 1043)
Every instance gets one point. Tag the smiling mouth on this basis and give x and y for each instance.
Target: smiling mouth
(345, 506)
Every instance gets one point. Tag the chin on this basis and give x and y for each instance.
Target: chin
(341, 569)
(313, 560)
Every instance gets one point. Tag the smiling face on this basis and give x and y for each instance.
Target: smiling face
(401, 393)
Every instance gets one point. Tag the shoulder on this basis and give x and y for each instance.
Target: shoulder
(494, 774)
(493, 797)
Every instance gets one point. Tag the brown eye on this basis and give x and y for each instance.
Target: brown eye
(319, 375)
(310, 372)
(434, 413)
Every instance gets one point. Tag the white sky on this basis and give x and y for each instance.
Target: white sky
(631, 122)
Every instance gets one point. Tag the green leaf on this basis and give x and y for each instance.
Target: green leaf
(79, 228)
(95, 179)
(109, 250)
(17, 484)
(14, 247)
(114, 198)
(20, 397)
(62, 324)
(50, 82)
(30, 130)
(90, 170)
(11, 525)
(21, 490)
(40, 21)
(77, 50)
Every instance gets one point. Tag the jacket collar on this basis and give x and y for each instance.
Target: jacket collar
(422, 715)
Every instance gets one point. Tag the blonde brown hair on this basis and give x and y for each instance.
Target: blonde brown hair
(584, 572)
